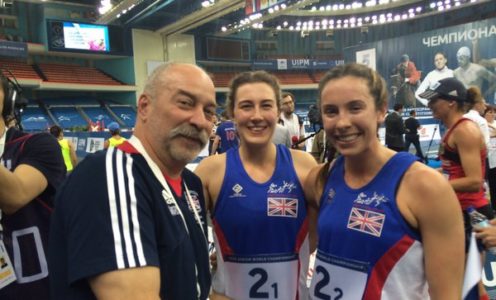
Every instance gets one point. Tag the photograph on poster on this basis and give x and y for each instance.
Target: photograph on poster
(411, 63)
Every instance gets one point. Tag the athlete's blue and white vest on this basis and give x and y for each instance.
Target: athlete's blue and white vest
(366, 249)
(261, 233)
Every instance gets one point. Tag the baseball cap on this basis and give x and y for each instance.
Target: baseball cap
(113, 126)
(447, 88)
(405, 57)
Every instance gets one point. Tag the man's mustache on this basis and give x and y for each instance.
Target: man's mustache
(189, 131)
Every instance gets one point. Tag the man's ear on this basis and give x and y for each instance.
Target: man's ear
(144, 106)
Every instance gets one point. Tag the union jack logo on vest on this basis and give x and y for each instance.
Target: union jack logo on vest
(282, 207)
(366, 221)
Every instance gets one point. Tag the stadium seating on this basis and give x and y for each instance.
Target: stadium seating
(35, 119)
(126, 114)
(75, 74)
(68, 117)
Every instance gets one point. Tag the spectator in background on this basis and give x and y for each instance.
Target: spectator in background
(322, 148)
(395, 129)
(440, 72)
(31, 170)
(213, 134)
(314, 117)
(475, 110)
(463, 150)
(68, 149)
(291, 120)
(489, 113)
(130, 221)
(116, 139)
(281, 135)
(225, 136)
(412, 126)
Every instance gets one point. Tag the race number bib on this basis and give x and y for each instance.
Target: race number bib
(338, 279)
(262, 280)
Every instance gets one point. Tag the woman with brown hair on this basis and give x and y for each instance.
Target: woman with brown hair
(386, 222)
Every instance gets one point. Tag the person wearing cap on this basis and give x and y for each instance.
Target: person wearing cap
(440, 72)
(463, 150)
(472, 74)
(409, 77)
(116, 138)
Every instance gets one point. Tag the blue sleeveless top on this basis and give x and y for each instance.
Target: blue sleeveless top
(366, 249)
(261, 232)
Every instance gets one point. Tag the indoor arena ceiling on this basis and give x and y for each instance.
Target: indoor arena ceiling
(225, 17)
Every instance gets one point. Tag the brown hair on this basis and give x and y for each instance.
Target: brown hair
(377, 88)
(251, 77)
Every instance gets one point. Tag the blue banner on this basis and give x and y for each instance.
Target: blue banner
(13, 49)
(468, 48)
(295, 64)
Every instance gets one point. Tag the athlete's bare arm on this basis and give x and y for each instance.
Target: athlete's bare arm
(313, 192)
(72, 152)
(211, 171)
(428, 203)
(467, 139)
(127, 284)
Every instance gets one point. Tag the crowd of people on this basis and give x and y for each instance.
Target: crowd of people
(131, 221)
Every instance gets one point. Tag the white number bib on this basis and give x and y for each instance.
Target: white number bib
(267, 280)
(332, 281)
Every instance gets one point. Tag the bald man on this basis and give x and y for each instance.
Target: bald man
(134, 226)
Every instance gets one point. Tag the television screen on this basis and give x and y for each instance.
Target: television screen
(86, 36)
(78, 36)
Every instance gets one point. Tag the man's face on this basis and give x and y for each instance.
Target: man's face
(440, 61)
(287, 105)
(179, 118)
(463, 60)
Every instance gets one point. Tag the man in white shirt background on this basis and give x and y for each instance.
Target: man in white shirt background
(440, 72)
(291, 121)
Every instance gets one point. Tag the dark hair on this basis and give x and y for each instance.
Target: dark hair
(286, 94)
(488, 109)
(442, 53)
(474, 95)
(397, 106)
(412, 112)
(55, 130)
(377, 88)
(251, 77)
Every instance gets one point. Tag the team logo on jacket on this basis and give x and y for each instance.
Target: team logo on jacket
(375, 200)
(171, 204)
(237, 189)
(366, 221)
(284, 188)
(282, 207)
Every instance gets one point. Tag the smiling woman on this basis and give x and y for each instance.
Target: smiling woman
(256, 200)
(381, 200)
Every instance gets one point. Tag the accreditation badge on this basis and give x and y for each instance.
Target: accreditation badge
(7, 274)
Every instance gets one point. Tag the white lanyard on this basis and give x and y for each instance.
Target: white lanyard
(168, 193)
(2, 141)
